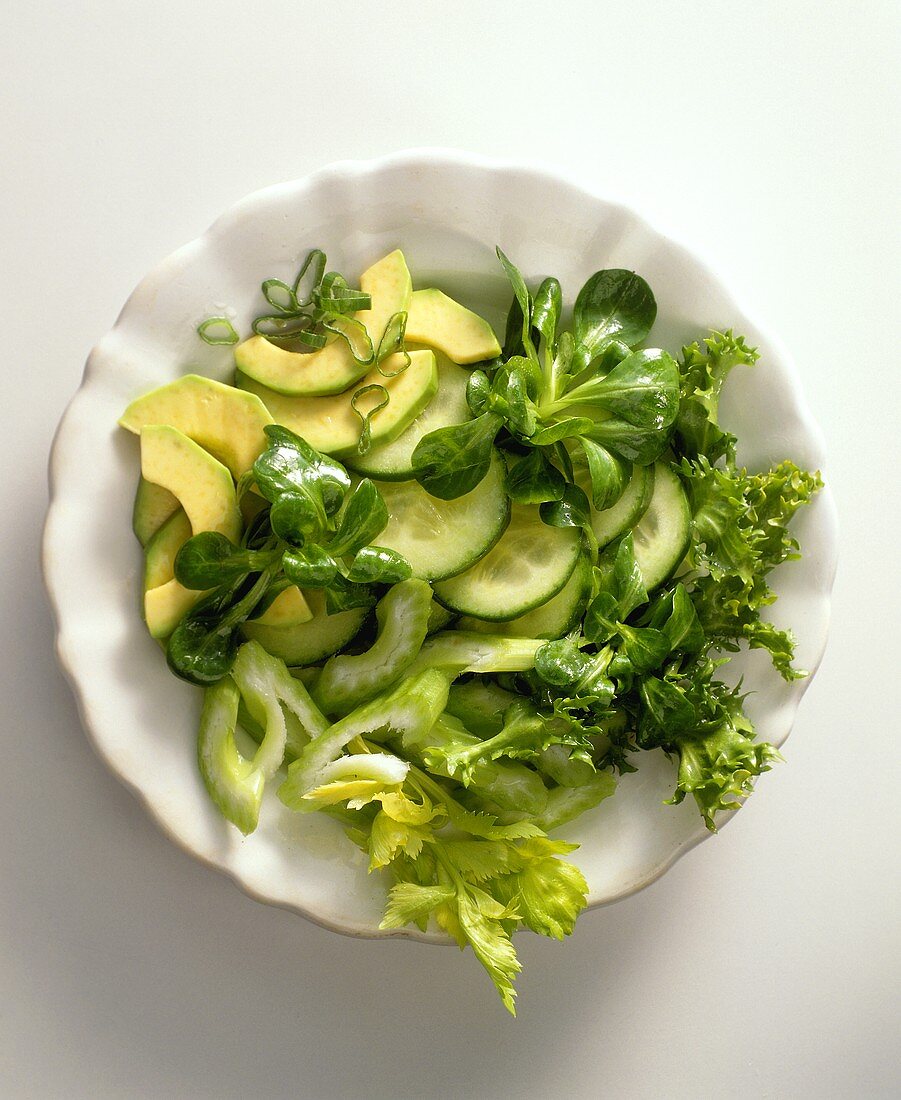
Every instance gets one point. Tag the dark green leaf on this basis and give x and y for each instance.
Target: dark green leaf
(546, 310)
(683, 627)
(560, 663)
(344, 595)
(379, 565)
(609, 474)
(612, 305)
(201, 653)
(296, 517)
(666, 707)
(451, 461)
(534, 479)
(365, 516)
(645, 647)
(511, 396)
(570, 428)
(513, 332)
(523, 299)
(639, 445)
(209, 559)
(571, 510)
(203, 647)
(643, 389)
(600, 622)
(619, 574)
(478, 391)
(290, 465)
(309, 567)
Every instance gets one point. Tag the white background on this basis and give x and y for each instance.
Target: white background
(766, 963)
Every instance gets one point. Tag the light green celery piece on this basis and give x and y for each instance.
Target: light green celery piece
(412, 707)
(255, 683)
(266, 676)
(458, 651)
(232, 781)
(357, 780)
(403, 616)
(296, 737)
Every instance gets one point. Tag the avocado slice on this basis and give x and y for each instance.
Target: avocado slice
(330, 424)
(306, 643)
(165, 600)
(153, 506)
(440, 322)
(333, 368)
(289, 608)
(223, 420)
(159, 554)
(202, 485)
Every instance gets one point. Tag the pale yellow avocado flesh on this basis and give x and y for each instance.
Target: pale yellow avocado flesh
(203, 486)
(333, 368)
(330, 424)
(289, 608)
(439, 321)
(223, 420)
(153, 506)
(165, 600)
(159, 554)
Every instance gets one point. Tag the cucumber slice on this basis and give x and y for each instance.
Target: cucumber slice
(312, 641)
(663, 534)
(550, 620)
(628, 510)
(529, 565)
(440, 538)
(394, 461)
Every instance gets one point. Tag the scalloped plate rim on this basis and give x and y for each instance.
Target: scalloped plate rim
(425, 156)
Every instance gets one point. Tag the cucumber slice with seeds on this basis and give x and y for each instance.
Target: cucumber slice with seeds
(552, 619)
(529, 564)
(628, 510)
(663, 534)
(440, 538)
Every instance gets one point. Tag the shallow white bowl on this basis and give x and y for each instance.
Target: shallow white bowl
(446, 211)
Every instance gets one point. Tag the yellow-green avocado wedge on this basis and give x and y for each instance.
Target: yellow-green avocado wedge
(223, 420)
(165, 600)
(202, 485)
(440, 322)
(333, 368)
(330, 424)
(153, 506)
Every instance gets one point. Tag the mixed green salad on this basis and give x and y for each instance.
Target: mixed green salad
(447, 590)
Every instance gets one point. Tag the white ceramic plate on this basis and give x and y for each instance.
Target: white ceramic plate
(446, 211)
